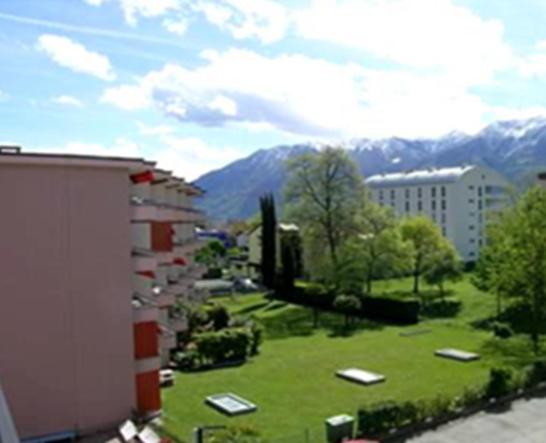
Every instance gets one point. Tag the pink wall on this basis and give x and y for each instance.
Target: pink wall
(66, 346)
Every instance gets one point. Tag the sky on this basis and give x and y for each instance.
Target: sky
(196, 84)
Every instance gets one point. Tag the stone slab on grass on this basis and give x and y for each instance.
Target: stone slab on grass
(230, 404)
(360, 376)
(457, 354)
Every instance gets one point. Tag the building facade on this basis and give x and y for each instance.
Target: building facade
(95, 253)
(457, 199)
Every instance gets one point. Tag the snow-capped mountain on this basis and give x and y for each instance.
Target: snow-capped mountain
(515, 148)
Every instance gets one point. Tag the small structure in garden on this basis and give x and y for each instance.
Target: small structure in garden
(230, 404)
(456, 354)
(360, 376)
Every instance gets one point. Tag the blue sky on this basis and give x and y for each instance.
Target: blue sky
(195, 84)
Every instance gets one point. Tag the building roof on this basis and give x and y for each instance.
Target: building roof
(419, 177)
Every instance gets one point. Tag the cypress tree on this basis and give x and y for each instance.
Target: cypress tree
(269, 231)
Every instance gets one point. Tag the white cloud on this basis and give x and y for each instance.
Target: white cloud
(95, 2)
(68, 100)
(304, 96)
(191, 157)
(265, 20)
(430, 34)
(73, 55)
(178, 26)
(4, 97)
(133, 9)
(127, 97)
(534, 65)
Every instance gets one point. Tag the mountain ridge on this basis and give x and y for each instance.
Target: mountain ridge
(514, 148)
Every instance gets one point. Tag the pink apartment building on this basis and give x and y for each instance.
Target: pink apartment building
(94, 253)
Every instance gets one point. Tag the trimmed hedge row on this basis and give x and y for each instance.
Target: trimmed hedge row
(379, 419)
(375, 308)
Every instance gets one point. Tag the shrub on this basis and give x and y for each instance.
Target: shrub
(499, 383)
(536, 374)
(186, 360)
(502, 330)
(219, 316)
(225, 345)
(213, 273)
(256, 332)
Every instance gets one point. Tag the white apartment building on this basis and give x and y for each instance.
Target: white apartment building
(457, 199)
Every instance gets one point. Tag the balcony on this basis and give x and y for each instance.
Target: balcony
(163, 298)
(179, 323)
(143, 209)
(144, 309)
(167, 337)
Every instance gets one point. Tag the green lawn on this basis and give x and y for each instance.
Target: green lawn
(292, 380)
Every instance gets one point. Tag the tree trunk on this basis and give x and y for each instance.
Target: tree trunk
(416, 282)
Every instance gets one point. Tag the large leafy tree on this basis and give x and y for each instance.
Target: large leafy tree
(380, 246)
(269, 240)
(324, 193)
(425, 239)
(514, 263)
(444, 265)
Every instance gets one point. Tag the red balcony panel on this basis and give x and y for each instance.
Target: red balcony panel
(147, 392)
(162, 237)
(146, 339)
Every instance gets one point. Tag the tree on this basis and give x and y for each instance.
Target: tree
(515, 257)
(380, 247)
(288, 262)
(444, 265)
(211, 254)
(269, 240)
(323, 194)
(425, 238)
(348, 304)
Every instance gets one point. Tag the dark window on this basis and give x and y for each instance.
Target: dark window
(471, 227)
(407, 192)
(419, 193)
(433, 192)
(471, 188)
(443, 191)
(381, 195)
(407, 206)
(472, 240)
(433, 205)
(443, 217)
(480, 191)
(472, 254)
(444, 205)
(393, 194)
(419, 205)
(480, 205)
(471, 201)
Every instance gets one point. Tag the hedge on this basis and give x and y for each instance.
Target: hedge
(379, 419)
(375, 308)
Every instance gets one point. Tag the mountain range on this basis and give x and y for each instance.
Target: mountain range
(515, 148)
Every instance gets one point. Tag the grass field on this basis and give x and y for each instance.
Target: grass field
(292, 380)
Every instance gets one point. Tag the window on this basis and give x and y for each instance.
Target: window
(472, 240)
(480, 242)
(480, 191)
(471, 227)
(443, 191)
(444, 231)
(480, 205)
(471, 201)
(443, 218)
(472, 254)
(433, 192)
(433, 205)
(381, 194)
(471, 187)
(444, 205)
(419, 205)
(407, 206)
(407, 193)
(419, 193)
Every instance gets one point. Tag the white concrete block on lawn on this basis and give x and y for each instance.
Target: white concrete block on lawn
(360, 376)
(230, 404)
(456, 354)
